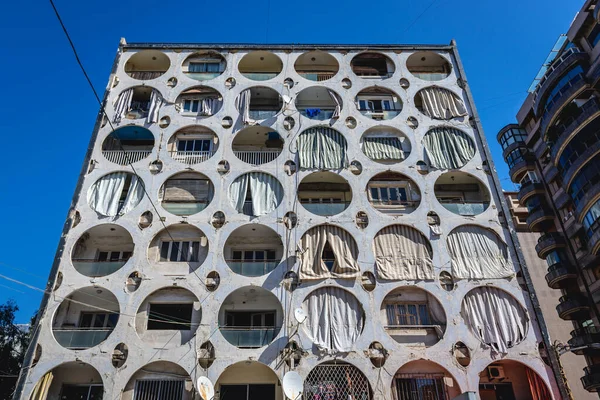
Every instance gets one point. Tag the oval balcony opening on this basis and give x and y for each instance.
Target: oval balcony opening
(440, 103)
(204, 66)
(102, 250)
(385, 145)
(115, 194)
(316, 66)
(378, 103)
(128, 145)
(370, 65)
(428, 66)
(193, 144)
(324, 193)
(255, 194)
(461, 193)
(249, 380)
(163, 380)
(253, 250)
(70, 380)
(85, 318)
(525, 381)
(319, 103)
(257, 145)
(392, 193)
(260, 65)
(199, 102)
(257, 104)
(147, 64)
(250, 317)
(178, 250)
(448, 148)
(186, 193)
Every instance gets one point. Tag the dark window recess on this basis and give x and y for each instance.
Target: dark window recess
(172, 389)
(250, 319)
(328, 257)
(247, 392)
(421, 387)
(170, 317)
(594, 36)
(81, 392)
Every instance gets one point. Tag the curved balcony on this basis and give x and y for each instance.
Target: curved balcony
(547, 242)
(562, 99)
(572, 307)
(511, 147)
(561, 198)
(550, 172)
(529, 189)
(591, 379)
(540, 220)
(587, 201)
(560, 276)
(517, 171)
(559, 66)
(594, 243)
(589, 111)
(582, 338)
(583, 159)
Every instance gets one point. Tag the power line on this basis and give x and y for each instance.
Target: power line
(419, 16)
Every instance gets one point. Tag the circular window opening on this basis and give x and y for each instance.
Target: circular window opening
(119, 355)
(324, 193)
(448, 148)
(186, 193)
(322, 148)
(316, 66)
(428, 66)
(193, 145)
(319, 103)
(258, 103)
(413, 309)
(461, 193)
(178, 250)
(128, 145)
(206, 355)
(255, 194)
(134, 280)
(134, 103)
(102, 250)
(168, 318)
(392, 193)
(260, 65)
(253, 250)
(257, 145)
(115, 194)
(204, 66)
(378, 103)
(385, 145)
(199, 102)
(372, 66)
(250, 317)
(85, 318)
(147, 64)
(394, 264)
(439, 103)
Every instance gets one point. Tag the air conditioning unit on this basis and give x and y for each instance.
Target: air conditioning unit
(496, 372)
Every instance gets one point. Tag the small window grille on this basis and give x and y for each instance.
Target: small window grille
(159, 389)
(336, 381)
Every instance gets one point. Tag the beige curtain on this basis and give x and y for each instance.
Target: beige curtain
(344, 249)
(439, 103)
(40, 391)
(402, 253)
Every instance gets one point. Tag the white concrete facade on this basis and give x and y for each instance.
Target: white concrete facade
(184, 353)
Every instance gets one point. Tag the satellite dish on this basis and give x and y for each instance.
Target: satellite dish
(300, 315)
(206, 388)
(286, 99)
(292, 385)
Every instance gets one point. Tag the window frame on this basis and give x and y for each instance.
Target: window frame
(190, 246)
(418, 317)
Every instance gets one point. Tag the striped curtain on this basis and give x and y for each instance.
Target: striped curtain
(448, 148)
(478, 253)
(123, 105)
(156, 102)
(402, 253)
(383, 148)
(439, 103)
(322, 148)
(344, 249)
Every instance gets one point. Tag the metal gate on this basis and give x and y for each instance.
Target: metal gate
(151, 389)
(336, 382)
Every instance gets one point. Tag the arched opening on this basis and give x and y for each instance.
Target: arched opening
(428, 66)
(316, 66)
(178, 250)
(128, 145)
(71, 380)
(160, 380)
(204, 66)
(260, 65)
(462, 193)
(422, 379)
(248, 380)
(508, 379)
(392, 193)
(324, 193)
(336, 380)
(253, 250)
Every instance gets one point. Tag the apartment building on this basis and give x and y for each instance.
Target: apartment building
(249, 210)
(553, 154)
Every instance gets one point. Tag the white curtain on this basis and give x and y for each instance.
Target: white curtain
(383, 148)
(243, 106)
(344, 249)
(209, 106)
(265, 190)
(335, 319)
(156, 102)
(123, 105)
(134, 195)
(478, 253)
(495, 318)
(322, 148)
(402, 253)
(105, 194)
(448, 148)
(441, 103)
(338, 104)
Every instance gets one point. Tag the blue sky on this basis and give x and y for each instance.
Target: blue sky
(48, 111)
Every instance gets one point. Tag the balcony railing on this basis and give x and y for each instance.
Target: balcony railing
(262, 114)
(260, 76)
(466, 209)
(317, 76)
(572, 122)
(184, 208)
(382, 114)
(252, 267)
(144, 75)
(125, 157)
(549, 241)
(191, 157)
(322, 115)
(560, 276)
(325, 209)
(97, 268)
(202, 76)
(394, 207)
(249, 337)
(257, 157)
(80, 338)
(582, 338)
(591, 379)
(430, 76)
(572, 306)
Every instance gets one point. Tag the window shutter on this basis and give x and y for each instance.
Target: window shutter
(187, 190)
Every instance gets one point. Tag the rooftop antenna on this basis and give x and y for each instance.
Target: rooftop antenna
(292, 385)
(205, 388)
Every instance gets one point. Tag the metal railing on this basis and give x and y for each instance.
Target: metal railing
(386, 114)
(466, 209)
(317, 76)
(325, 209)
(80, 338)
(257, 157)
(249, 337)
(263, 114)
(125, 157)
(191, 157)
(321, 116)
(95, 268)
(260, 76)
(252, 267)
(143, 75)
(184, 208)
(431, 76)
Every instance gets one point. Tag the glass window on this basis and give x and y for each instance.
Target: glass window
(179, 251)
(569, 79)
(591, 221)
(516, 156)
(555, 257)
(511, 136)
(407, 314)
(594, 36)
(586, 178)
(584, 139)
(170, 317)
